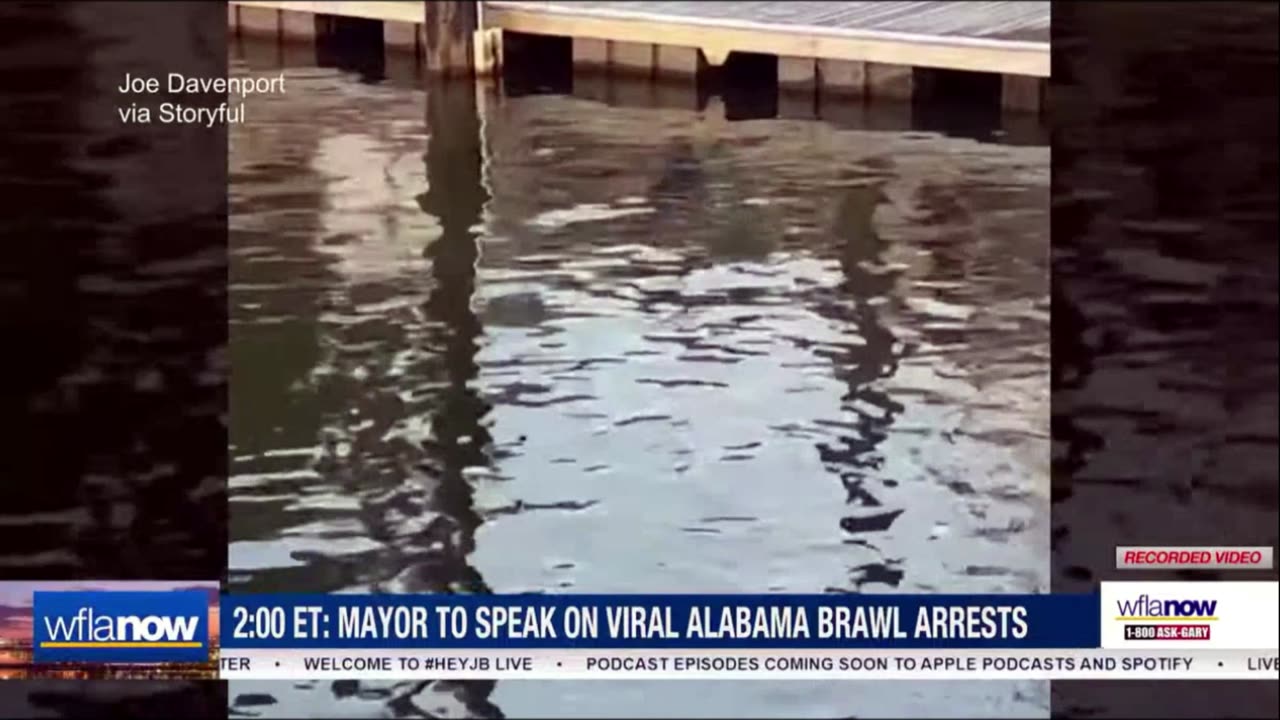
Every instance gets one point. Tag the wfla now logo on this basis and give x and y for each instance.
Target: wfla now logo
(121, 627)
(1146, 607)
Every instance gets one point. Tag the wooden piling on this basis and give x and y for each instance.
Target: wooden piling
(488, 47)
(889, 82)
(298, 25)
(798, 86)
(259, 21)
(632, 59)
(1020, 93)
(590, 54)
(676, 62)
(842, 78)
(676, 70)
(401, 37)
(797, 74)
(856, 56)
(449, 29)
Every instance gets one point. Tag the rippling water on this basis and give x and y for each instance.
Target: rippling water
(1165, 307)
(552, 345)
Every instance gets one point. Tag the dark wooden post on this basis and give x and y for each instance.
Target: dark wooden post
(450, 32)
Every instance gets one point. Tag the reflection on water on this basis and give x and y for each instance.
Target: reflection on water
(585, 348)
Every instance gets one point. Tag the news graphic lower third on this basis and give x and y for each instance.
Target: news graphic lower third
(1138, 630)
(1126, 631)
(109, 630)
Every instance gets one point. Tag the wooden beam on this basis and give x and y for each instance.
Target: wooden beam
(449, 29)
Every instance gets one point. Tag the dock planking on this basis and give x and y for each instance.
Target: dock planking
(1025, 21)
(869, 49)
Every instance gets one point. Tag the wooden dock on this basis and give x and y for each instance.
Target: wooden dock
(869, 49)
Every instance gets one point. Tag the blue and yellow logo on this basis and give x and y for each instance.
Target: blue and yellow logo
(1153, 609)
(121, 627)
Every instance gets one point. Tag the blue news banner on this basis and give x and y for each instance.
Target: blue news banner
(1198, 630)
(653, 622)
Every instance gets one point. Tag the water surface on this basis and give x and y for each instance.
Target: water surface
(547, 344)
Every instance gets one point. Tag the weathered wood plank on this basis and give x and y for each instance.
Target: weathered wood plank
(1012, 20)
(890, 82)
(1022, 94)
(673, 61)
(590, 54)
(798, 74)
(844, 78)
(1009, 38)
(628, 58)
(398, 10)
(998, 20)
(488, 47)
(401, 36)
(717, 35)
(297, 25)
(450, 35)
(259, 21)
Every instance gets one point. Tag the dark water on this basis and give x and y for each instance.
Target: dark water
(113, 317)
(1165, 286)
(584, 348)
(115, 294)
